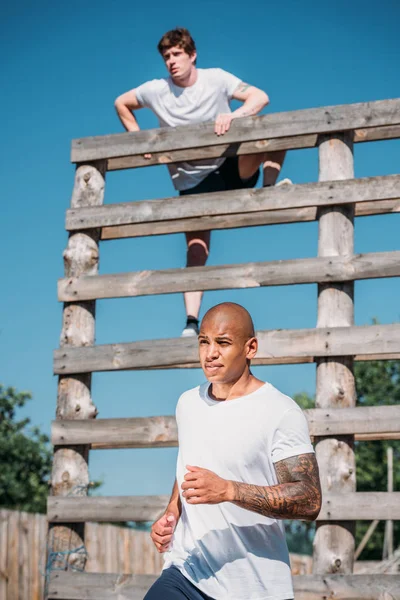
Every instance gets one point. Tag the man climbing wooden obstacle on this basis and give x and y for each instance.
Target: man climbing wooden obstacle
(192, 95)
(245, 463)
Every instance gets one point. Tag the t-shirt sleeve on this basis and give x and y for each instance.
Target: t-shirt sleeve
(291, 437)
(230, 82)
(146, 93)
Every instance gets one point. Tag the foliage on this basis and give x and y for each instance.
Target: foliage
(378, 384)
(25, 457)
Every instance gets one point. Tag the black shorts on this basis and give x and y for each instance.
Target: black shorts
(172, 585)
(226, 177)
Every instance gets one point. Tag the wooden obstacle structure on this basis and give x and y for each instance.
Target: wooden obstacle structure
(333, 345)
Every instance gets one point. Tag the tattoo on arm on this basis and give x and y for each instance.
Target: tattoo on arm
(297, 495)
(243, 87)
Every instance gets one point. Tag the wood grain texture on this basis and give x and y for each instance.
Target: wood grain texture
(154, 432)
(255, 219)
(70, 475)
(381, 113)
(346, 506)
(102, 508)
(333, 548)
(248, 275)
(108, 586)
(275, 347)
(296, 142)
(243, 202)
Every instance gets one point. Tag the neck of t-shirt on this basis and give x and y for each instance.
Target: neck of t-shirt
(222, 400)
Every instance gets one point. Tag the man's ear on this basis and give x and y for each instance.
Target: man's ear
(193, 58)
(252, 347)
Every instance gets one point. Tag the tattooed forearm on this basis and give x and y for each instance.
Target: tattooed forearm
(297, 495)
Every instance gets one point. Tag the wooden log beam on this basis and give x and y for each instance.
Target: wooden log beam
(70, 474)
(344, 507)
(271, 217)
(105, 508)
(248, 275)
(109, 586)
(297, 142)
(217, 204)
(275, 347)
(365, 115)
(334, 544)
(157, 432)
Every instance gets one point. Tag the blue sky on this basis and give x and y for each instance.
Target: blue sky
(63, 64)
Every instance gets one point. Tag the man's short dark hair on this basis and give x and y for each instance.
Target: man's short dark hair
(179, 37)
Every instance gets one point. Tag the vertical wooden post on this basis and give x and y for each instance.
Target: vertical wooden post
(388, 539)
(70, 474)
(334, 542)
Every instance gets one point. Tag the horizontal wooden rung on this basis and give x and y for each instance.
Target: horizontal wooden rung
(372, 422)
(244, 202)
(365, 115)
(275, 347)
(253, 219)
(348, 506)
(248, 275)
(70, 585)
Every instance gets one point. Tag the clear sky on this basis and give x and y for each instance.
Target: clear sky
(63, 64)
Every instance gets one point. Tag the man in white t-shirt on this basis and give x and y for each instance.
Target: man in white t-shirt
(245, 463)
(190, 95)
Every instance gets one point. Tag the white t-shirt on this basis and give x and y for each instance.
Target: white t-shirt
(228, 552)
(203, 101)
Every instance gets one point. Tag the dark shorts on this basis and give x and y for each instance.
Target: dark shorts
(172, 585)
(226, 177)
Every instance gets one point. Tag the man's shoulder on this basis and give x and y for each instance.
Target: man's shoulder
(195, 392)
(154, 85)
(278, 400)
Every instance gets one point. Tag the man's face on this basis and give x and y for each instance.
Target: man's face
(178, 62)
(224, 350)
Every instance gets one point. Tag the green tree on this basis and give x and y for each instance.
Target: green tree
(25, 456)
(378, 384)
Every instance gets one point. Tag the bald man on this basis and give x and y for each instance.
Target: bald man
(245, 463)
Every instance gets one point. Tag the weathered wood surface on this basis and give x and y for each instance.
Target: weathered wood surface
(154, 432)
(22, 555)
(277, 346)
(70, 475)
(108, 586)
(296, 142)
(334, 545)
(365, 115)
(325, 193)
(348, 506)
(272, 217)
(248, 275)
(102, 508)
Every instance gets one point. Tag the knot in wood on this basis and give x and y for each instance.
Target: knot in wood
(86, 177)
(337, 564)
(65, 477)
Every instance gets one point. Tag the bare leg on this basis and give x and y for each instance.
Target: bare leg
(272, 164)
(198, 247)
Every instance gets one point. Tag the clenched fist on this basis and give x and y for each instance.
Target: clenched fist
(202, 486)
(163, 530)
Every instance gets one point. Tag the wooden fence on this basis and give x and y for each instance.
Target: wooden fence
(110, 549)
(333, 345)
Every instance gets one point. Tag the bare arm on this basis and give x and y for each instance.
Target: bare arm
(175, 504)
(163, 529)
(253, 100)
(297, 495)
(125, 105)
